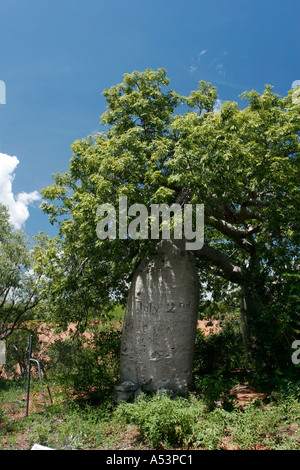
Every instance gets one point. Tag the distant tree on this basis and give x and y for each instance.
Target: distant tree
(242, 164)
(19, 292)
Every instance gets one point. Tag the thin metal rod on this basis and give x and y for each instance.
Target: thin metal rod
(28, 375)
(41, 380)
(40, 369)
(43, 369)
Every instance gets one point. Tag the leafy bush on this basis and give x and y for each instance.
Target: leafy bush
(162, 420)
(215, 390)
(271, 427)
(216, 357)
(220, 351)
(87, 366)
(17, 350)
(166, 422)
(275, 326)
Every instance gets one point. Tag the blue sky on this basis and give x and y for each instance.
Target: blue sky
(57, 56)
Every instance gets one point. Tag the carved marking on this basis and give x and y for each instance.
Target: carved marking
(146, 307)
(171, 307)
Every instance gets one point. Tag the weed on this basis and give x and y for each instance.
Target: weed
(166, 422)
(161, 420)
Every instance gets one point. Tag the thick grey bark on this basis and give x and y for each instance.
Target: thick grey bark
(160, 322)
(249, 310)
(244, 313)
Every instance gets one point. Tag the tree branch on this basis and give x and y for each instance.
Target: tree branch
(236, 234)
(231, 272)
(214, 207)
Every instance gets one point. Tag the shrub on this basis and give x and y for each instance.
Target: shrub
(166, 422)
(216, 359)
(215, 390)
(87, 366)
(17, 351)
(162, 420)
(221, 351)
(271, 427)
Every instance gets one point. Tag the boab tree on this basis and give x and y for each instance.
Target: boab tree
(241, 164)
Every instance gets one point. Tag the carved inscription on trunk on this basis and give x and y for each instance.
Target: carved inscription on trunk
(160, 322)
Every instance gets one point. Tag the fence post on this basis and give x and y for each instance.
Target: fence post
(28, 376)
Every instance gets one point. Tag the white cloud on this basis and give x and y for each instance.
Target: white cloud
(201, 53)
(17, 205)
(218, 105)
(193, 69)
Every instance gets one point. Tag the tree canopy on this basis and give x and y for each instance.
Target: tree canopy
(161, 147)
(19, 291)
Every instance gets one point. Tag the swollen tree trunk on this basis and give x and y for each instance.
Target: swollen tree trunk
(244, 313)
(250, 299)
(160, 323)
(249, 311)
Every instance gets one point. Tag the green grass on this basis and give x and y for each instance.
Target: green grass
(11, 400)
(82, 376)
(150, 422)
(165, 422)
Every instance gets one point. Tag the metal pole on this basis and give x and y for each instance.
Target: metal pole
(28, 375)
(43, 369)
(41, 381)
(40, 369)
